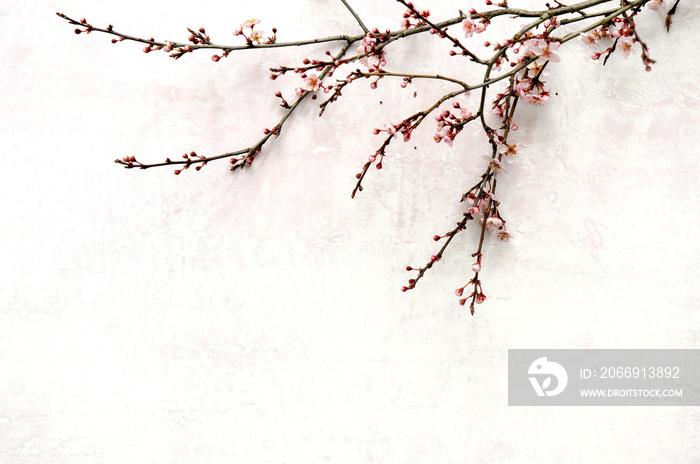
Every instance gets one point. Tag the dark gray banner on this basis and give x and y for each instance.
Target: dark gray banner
(603, 377)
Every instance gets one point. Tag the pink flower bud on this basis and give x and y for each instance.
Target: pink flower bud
(476, 267)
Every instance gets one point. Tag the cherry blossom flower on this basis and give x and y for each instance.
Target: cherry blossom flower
(494, 223)
(552, 22)
(504, 235)
(495, 165)
(470, 27)
(624, 46)
(256, 36)
(312, 83)
(536, 70)
(548, 52)
(590, 38)
(251, 23)
(366, 45)
(510, 150)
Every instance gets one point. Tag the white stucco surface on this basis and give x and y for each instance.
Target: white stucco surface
(256, 316)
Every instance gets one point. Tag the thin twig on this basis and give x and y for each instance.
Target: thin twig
(357, 18)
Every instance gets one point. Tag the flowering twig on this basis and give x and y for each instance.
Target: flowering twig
(524, 56)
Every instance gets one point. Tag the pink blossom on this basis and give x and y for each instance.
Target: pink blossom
(366, 45)
(496, 165)
(590, 39)
(465, 113)
(531, 47)
(256, 36)
(504, 235)
(476, 267)
(548, 52)
(470, 27)
(535, 70)
(312, 83)
(493, 223)
(552, 22)
(624, 45)
(538, 100)
(510, 150)
(251, 23)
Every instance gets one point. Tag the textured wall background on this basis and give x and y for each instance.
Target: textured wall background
(256, 317)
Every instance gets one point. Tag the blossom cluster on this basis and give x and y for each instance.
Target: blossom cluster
(450, 124)
(412, 18)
